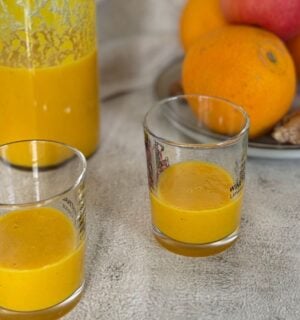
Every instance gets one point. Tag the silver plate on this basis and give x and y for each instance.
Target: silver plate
(167, 85)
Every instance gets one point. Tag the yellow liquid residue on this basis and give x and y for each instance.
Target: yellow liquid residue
(35, 33)
(193, 203)
(56, 103)
(33, 155)
(41, 259)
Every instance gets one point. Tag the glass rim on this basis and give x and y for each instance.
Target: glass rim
(39, 203)
(222, 144)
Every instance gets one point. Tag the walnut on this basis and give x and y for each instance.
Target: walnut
(288, 131)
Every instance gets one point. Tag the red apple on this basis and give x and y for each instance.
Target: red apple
(279, 16)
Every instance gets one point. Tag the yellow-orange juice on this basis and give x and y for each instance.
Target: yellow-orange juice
(55, 103)
(193, 203)
(41, 259)
(49, 73)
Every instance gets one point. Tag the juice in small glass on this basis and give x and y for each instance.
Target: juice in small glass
(193, 196)
(42, 230)
(41, 263)
(196, 172)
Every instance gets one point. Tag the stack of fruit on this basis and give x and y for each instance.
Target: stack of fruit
(247, 52)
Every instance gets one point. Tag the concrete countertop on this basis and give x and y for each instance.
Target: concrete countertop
(130, 277)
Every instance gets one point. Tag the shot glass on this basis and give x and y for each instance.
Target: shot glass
(42, 229)
(196, 150)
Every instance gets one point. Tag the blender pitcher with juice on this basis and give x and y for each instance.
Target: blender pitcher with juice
(48, 72)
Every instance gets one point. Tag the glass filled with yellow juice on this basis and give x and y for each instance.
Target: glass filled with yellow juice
(196, 149)
(48, 72)
(42, 229)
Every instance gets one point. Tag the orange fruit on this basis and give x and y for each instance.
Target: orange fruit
(199, 17)
(246, 65)
(294, 47)
(218, 115)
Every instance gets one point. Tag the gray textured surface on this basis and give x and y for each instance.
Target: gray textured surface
(129, 276)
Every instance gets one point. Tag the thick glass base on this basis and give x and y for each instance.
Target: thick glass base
(195, 250)
(51, 313)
